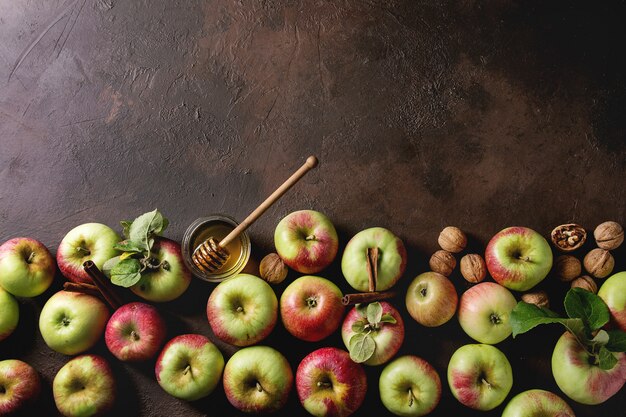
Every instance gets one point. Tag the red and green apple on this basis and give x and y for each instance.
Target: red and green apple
(613, 292)
(26, 267)
(19, 385)
(9, 314)
(431, 299)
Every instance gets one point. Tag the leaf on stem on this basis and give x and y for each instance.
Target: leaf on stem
(362, 347)
(588, 307)
(374, 313)
(126, 273)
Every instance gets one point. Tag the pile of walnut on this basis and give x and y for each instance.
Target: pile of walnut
(452, 240)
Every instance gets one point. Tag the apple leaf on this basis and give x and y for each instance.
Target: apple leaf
(585, 305)
(617, 341)
(128, 246)
(362, 347)
(606, 360)
(145, 226)
(361, 308)
(600, 339)
(374, 313)
(359, 326)
(126, 227)
(388, 318)
(126, 273)
(525, 317)
(108, 265)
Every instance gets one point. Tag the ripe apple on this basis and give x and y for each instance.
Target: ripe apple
(579, 378)
(257, 379)
(409, 386)
(329, 383)
(311, 308)
(306, 240)
(242, 310)
(26, 267)
(485, 311)
(189, 367)
(89, 241)
(84, 387)
(480, 376)
(388, 337)
(391, 259)
(135, 332)
(72, 322)
(537, 402)
(431, 299)
(19, 385)
(518, 258)
(168, 282)
(9, 314)
(613, 292)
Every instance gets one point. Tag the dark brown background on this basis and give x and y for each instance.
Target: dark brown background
(423, 114)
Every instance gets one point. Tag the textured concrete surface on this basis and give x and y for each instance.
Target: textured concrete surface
(423, 114)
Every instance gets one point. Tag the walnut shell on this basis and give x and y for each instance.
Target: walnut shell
(586, 283)
(568, 237)
(442, 262)
(272, 269)
(609, 235)
(567, 267)
(538, 298)
(452, 239)
(473, 268)
(599, 263)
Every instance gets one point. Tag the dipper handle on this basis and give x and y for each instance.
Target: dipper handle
(310, 163)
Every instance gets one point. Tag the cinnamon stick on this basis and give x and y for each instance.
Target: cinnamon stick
(372, 267)
(366, 297)
(88, 289)
(104, 285)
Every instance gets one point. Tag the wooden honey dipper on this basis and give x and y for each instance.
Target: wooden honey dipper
(211, 255)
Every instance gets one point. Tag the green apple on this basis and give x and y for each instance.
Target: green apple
(26, 267)
(579, 378)
(242, 310)
(89, 241)
(409, 386)
(480, 376)
(391, 259)
(431, 299)
(485, 312)
(189, 367)
(168, 282)
(9, 314)
(613, 292)
(84, 387)
(537, 403)
(518, 258)
(258, 379)
(72, 322)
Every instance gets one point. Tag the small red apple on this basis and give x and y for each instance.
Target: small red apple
(19, 384)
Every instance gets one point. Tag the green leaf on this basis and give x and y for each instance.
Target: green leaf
(128, 246)
(127, 255)
(617, 341)
(374, 313)
(361, 308)
(388, 318)
(126, 227)
(606, 360)
(362, 347)
(126, 273)
(145, 226)
(358, 326)
(108, 265)
(600, 339)
(587, 306)
(528, 316)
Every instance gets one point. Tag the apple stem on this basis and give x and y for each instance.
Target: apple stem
(187, 369)
(324, 384)
(259, 387)
(85, 251)
(310, 237)
(524, 258)
(240, 309)
(30, 257)
(411, 397)
(134, 335)
(484, 381)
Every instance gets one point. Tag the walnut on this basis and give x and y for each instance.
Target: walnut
(452, 239)
(442, 262)
(568, 237)
(273, 269)
(609, 235)
(473, 268)
(567, 267)
(599, 263)
(586, 283)
(538, 298)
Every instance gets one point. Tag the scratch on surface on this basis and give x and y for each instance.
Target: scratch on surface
(56, 19)
(83, 121)
(71, 27)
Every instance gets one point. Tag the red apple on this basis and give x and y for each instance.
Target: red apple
(311, 308)
(135, 332)
(329, 383)
(26, 267)
(307, 241)
(19, 384)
